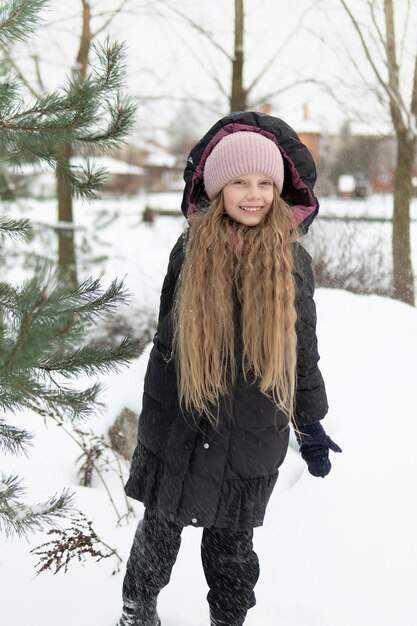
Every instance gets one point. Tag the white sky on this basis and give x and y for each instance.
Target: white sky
(170, 63)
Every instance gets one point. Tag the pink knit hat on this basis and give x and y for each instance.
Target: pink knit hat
(243, 152)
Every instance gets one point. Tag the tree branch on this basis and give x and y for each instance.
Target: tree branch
(18, 71)
(393, 70)
(414, 97)
(394, 96)
(202, 31)
(213, 73)
(282, 46)
(85, 40)
(109, 20)
(284, 88)
(404, 31)
(380, 38)
(41, 84)
(345, 106)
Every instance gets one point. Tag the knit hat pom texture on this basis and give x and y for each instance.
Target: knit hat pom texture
(240, 153)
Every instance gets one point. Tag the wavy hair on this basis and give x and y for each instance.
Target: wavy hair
(227, 264)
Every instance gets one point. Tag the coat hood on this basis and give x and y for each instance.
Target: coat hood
(299, 168)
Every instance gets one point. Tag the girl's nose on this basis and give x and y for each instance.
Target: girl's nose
(253, 192)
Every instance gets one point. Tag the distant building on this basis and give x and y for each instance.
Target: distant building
(158, 165)
(383, 182)
(346, 185)
(308, 131)
(310, 134)
(123, 178)
(368, 159)
(350, 186)
(40, 182)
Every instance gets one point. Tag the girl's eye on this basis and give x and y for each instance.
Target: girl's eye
(238, 182)
(266, 183)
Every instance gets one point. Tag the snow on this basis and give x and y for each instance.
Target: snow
(335, 551)
(160, 158)
(113, 166)
(375, 206)
(346, 183)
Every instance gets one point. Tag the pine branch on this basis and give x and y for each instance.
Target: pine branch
(91, 360)
(20, 519)
(61, 401)
(86, 303)
(42, 128)
(60, 311)
(120, 117)
(8, 296)
(90, 112)
(111, 72)
(74, 107)
(86, 183)
(104, 303)
(12, 439)
(27, 322)
(35, 389)
(41, 331)
(16, 229)
(18, 18)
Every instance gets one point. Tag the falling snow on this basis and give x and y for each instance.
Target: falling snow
(339, 551)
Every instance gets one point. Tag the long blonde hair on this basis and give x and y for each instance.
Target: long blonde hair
(225, 260)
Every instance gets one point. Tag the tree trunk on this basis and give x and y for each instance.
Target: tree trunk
(238, 95)
(67, 263)
(67, 260)
(401, 245)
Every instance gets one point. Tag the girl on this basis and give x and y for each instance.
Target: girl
(234, 362)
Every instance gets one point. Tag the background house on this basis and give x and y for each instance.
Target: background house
(39, 182)
(160, 171)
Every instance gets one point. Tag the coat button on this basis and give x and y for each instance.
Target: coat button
(188, 444)
(194, 520)
(206, 446)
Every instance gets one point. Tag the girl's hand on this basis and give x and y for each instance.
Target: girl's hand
(314, 447)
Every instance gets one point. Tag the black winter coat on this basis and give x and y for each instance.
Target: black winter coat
(188, 470)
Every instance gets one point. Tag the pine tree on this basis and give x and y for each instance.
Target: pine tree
(43, 322)
(89, 113)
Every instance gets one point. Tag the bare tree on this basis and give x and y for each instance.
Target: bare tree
(239, 94)
(379, 40)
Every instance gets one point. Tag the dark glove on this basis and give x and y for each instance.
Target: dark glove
(314, 447)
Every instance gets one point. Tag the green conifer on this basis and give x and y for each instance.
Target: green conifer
(43, 322)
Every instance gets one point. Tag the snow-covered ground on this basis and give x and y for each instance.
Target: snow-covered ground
(335, 552)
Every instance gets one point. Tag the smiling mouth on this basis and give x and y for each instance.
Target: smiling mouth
(251, 209)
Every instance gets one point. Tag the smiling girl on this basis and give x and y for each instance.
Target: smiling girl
(234, 364)
(248, 198)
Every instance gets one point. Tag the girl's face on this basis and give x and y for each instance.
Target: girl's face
(248, 198)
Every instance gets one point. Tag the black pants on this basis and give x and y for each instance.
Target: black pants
(230, 565)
